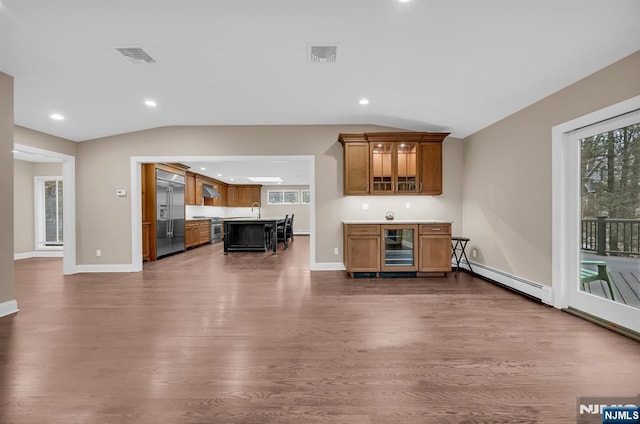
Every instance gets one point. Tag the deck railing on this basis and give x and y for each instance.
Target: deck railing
(614, 237)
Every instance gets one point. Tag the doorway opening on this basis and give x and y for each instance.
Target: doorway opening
(136, 202)
(68, 221)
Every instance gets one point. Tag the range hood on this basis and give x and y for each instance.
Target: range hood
(209, 192)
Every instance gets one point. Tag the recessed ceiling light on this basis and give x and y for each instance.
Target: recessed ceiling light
(56, 116)
(404, 1)
(150, 103)
(203, 169)
(231, 179)
(364, 101)
(219, 175)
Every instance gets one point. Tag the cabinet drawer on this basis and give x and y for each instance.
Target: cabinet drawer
(435, 229)
(363, 229)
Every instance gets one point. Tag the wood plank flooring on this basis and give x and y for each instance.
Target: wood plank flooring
(256, 338)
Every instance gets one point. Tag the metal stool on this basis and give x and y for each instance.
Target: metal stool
(458, 244)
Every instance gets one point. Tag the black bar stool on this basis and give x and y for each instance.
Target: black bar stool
(458, 244)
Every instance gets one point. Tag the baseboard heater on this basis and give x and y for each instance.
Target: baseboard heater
(504, 286)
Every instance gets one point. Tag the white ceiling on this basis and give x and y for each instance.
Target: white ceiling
(236, 171)
(431, 65)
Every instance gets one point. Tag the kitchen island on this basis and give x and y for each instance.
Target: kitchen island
(251, 234)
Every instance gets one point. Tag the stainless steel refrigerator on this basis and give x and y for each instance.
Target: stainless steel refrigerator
(169, 213)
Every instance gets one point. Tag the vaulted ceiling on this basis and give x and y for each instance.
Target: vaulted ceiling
(428, 65)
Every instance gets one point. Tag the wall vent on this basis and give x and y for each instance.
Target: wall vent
(323, 53)
(135, 55)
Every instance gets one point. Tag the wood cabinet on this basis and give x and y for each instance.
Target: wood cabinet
(145, 241)
(392, 163)
(356, 174)
(197, 232)
(374, 248)
(435, 247)
(230, 195)
(190, 189)
(361, 248)
(243, 195)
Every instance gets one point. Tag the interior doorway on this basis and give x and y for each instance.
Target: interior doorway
(69, 207)
(136, 202)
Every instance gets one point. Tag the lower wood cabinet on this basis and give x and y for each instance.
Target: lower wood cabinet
(435, 248)
(197, 232)
(362, 248)
(374, 248)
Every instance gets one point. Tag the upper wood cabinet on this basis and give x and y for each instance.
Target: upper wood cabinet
(245, 195)
(190, 189)
(393, 163)
(230, 194)
(356, 175)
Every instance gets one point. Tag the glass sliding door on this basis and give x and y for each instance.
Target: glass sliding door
(607, 212)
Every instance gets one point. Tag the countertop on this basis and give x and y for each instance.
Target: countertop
(396, 221)
(255, 219)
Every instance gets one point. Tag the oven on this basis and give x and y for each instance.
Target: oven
(216, 230)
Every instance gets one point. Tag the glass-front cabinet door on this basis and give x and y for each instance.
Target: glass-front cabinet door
(382, 168)
(407, 168)
(399, 248)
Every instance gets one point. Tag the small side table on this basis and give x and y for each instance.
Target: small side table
(458, 244)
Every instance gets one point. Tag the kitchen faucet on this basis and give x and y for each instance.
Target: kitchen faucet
(258, 206)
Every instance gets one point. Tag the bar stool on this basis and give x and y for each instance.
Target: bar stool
(458, 244)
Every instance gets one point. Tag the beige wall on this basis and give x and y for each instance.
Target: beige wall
(507, 173)
(23, 200)
(44, 141)
(7, 292)
(301, 212)
(102, 167)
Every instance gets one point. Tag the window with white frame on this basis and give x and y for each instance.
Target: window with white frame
(306, 197)
(48, 212)
(283, 197)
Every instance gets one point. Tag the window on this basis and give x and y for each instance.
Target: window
(283, 197)
(306, 197)
(48, 212)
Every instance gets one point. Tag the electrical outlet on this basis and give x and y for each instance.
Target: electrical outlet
(336, 251)
(407, 205)
(365, 206)
(474, 253)
(98, 252)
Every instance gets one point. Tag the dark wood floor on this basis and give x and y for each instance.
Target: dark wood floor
(256, 338)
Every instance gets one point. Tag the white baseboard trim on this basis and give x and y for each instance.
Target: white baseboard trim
(105, 268)
(537, 290)
(327, 266)
(8, 308)
(39, 254)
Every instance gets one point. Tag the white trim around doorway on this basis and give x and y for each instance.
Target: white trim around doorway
(136, 199)
(69, 264)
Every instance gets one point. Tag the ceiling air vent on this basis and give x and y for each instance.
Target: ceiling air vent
(135, 55)
(322, 54)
